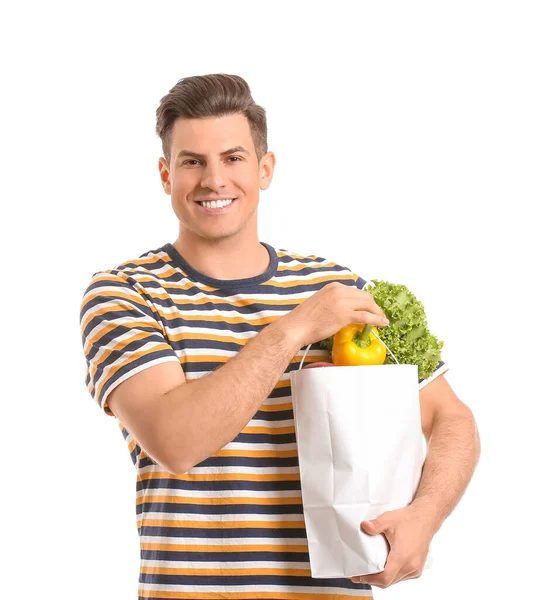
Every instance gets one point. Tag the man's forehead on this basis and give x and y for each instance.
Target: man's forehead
(222, 135)
(235, 150)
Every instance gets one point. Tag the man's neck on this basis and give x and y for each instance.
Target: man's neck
(228, 259)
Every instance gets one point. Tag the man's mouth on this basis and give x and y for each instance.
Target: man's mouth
(217, 206)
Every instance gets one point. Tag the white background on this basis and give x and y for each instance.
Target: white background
(406, 143)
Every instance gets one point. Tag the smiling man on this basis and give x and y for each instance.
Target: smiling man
(190, 346)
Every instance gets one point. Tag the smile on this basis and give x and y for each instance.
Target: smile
(218, 207)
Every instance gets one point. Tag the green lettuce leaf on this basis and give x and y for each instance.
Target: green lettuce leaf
(407, 335)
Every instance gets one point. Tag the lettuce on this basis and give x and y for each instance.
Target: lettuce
(408, 335)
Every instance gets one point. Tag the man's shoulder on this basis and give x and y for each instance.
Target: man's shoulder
(151, 263)
(142, 274)
(318, 264)
(290, 256)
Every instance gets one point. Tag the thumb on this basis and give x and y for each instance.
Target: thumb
(372, 527)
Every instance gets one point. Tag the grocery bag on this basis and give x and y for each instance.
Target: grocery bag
(360, 452)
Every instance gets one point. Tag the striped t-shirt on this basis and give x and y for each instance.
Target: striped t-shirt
(232, 526)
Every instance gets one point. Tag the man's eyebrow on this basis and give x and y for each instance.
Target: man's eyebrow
(197, 155)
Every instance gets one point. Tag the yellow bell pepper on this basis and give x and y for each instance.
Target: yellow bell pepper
(365, 350)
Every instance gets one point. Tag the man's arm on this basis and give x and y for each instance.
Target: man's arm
(210, 424)
(178, 423)
(453, 451)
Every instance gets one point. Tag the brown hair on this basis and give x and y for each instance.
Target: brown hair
(213, 95)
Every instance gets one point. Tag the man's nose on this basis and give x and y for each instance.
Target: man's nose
(213, 176)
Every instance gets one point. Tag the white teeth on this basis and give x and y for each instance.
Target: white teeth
(217, 204)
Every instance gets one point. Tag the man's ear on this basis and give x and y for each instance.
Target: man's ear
(164, 173)
(267, 167)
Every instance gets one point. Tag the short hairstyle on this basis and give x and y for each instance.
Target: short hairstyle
(214, 95)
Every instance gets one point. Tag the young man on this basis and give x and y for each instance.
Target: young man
(190, 347)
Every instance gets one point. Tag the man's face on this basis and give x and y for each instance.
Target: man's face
(201, 168)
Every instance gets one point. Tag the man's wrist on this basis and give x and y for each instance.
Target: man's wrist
(428, 512)
(290, 331)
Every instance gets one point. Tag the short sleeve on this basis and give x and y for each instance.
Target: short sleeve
(362, 283)
(121, 335)
(439, 370)
(442, 367)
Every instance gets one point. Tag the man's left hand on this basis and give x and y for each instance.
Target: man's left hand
(409, 532)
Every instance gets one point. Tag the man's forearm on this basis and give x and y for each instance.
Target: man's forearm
(451, 459)
(205, 414)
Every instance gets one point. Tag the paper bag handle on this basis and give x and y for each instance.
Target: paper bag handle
(375, 334)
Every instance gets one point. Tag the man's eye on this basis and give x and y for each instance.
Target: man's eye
(194, 160)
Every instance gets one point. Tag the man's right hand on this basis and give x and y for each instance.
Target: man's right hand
(328, 310)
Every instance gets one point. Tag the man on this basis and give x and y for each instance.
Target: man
(190, 347)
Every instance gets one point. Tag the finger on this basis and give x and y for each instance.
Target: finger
(363, 316)
(373, 306)
(393, 565)
(363, 301)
